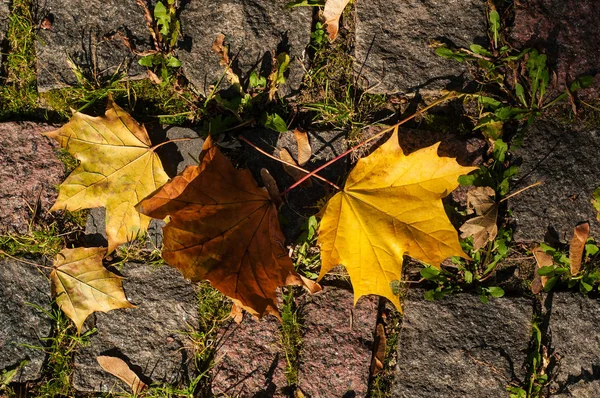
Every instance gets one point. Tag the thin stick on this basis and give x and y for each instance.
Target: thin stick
(312, 173)
(241, 137)
(521, 190)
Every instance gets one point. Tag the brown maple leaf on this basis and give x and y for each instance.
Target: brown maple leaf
(224, 228)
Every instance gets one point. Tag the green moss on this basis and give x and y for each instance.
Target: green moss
(291, 337)
(18, 91)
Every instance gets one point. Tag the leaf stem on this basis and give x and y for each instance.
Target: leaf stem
(241, 137)
(382, 132)
(175, 140)
(23, 261)
(520, 190)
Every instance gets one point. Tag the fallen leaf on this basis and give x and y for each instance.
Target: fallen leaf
(81, 285)
(390, 206)
(221, 50)
(482, 228)
(118, 168)
(119, 368)
(542, 259)
(596, 201)
(225, 229)
(271, 186)
(580, 235)
(379, 353)
(332, 12)
(237, 313)
(296, 174)
(304, 149)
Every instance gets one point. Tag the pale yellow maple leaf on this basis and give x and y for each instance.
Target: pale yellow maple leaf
(390, 206)
(118, 169)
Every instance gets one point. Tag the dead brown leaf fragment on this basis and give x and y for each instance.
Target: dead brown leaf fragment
(379, 353)
(81, 285)
(296, 174)
(580, 235)
(225, 229)
(331, 13)
(304, 149)
(542, 259)
(483, 228)
(119, 368)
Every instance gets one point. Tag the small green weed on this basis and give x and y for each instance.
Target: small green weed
(291, 336)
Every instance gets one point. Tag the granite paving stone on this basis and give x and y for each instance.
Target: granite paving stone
(254, 29)
(22, 325)
(150, 338)
(337, 343)
(393, 52)
(250, 361)
(566, 160)
(460, 347)
(29, 168)
(87, 32)
(566, 31)
(574, 320)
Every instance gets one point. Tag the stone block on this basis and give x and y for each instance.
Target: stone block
(393, 52)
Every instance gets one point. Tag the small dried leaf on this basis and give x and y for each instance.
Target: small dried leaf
(482, 228)
(271, 186)
(332, 13)
(237, 313)
(379, 355)
(304, 149)
(221, 50)
(119, 368)
(580, 235)
(296, 174)
(542, 259)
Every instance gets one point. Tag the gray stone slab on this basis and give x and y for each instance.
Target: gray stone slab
(253, 28)
(29, 168)
(392, 42)
(567, 162)
(250, 362)
(23, 286)
(337, 344)
(566, 31)
(4, 10)
(574, 320)
(460, 347)
(86, 31)
(150, 338)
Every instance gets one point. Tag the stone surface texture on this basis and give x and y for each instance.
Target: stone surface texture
(393, 53)
(254, 29)
(250, 362)
(460, 347)
(29, 168)
(87, 31)
(337, 343)
(566, 31)
(23, 286)
(566, 160)
(149, 338)
(574, 323)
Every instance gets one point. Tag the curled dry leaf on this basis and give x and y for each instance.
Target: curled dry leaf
(379, 353)
(81, 285)
(577, 245)
(225, 229)
(118, 168)
(390, 206)
(271, 186)
(332, 12)
(482, 228)
(222, 52)
(542, 259)
(304, 149)
(119, 368)
(296, 174)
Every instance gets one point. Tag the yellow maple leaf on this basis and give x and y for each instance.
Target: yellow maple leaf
(81, 285)
(118, 169)
(390, 206)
